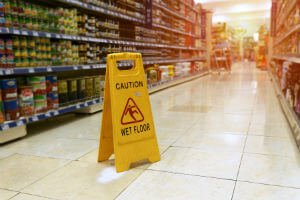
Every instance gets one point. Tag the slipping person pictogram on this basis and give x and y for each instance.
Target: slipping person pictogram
(132, 113)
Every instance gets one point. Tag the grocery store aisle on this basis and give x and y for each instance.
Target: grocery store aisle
(221, 138)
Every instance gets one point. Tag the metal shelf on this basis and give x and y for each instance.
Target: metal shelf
(286, 35)
(14, 31)
(49, 114)
(155, 87)
(101, 10)
(291, 58)
(289, 112)
(174, 30)
(284, 16)
(53, 69)
(173, 61)
(172, 12)
(48, 69)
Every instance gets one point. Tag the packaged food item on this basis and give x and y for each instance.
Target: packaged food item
(62, 92)
(26, 101)
(89, 87)
(97, 86)
(102, 85)
(72, 90)
(11, 108)
(9, 89)
(81, 90)
(38, 84)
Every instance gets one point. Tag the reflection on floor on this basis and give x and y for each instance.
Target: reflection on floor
(230, 141)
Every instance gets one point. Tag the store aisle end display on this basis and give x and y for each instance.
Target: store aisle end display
(285, 62)
(53, 53)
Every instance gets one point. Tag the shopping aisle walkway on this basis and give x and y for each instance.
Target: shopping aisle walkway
(221, 138)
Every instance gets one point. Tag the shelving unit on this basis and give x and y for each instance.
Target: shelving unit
(168, 43)
(285, 60)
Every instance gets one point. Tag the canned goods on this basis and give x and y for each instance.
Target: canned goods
(40, 106)
(102, 85)
(26, 101)
(51, 83)
(11, 110)
(63, 91)
(89, 86)
(97, 86)
(81, 88)
(52, 100)
(72, 90)
(9, 89)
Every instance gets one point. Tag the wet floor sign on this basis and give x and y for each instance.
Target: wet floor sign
(127, 123)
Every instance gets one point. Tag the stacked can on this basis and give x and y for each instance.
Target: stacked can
(6, 53)
(10, 99)
(62, 92)
(38, 84)
(102, 85)
(52, 92)
(81, 88)
(97, 86)
(26, 100)
(89, 87)
(72, 90)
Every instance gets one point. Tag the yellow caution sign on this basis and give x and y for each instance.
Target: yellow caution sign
(127, 125)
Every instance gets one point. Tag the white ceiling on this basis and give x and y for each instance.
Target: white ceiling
(249, 14)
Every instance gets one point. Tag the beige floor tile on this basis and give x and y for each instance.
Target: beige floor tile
(161, 185)
(83, 181)
(4, 152)
(212, 142)
(167, 136)
(271, 146)
(220, 127)
(274, 129)
(274, 170)
(250, 191)
(28, 197)
(53, 147)
(93, 155)
(7, 194)
(19, 171)
(196, 162)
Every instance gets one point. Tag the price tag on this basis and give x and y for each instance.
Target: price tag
(57, 36)
(94, 102)
(8, 71)
(1, 72)
(16, 32)
(5, 126)
(75, 67)
(86, 67)
(55, 113)
(49, 69)
(34, 33)
(20, 123)
(34, 118)
(31, 70)
(86, 104)
(78, 106)
(48, 35)
(24, 33)
(48, 114)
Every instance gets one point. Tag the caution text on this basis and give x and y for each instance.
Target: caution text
(128, 85)
(137, 129)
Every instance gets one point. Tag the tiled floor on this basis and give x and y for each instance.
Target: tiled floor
(221, 138)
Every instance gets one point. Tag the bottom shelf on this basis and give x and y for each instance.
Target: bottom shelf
(290, 114)
(15, 129)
